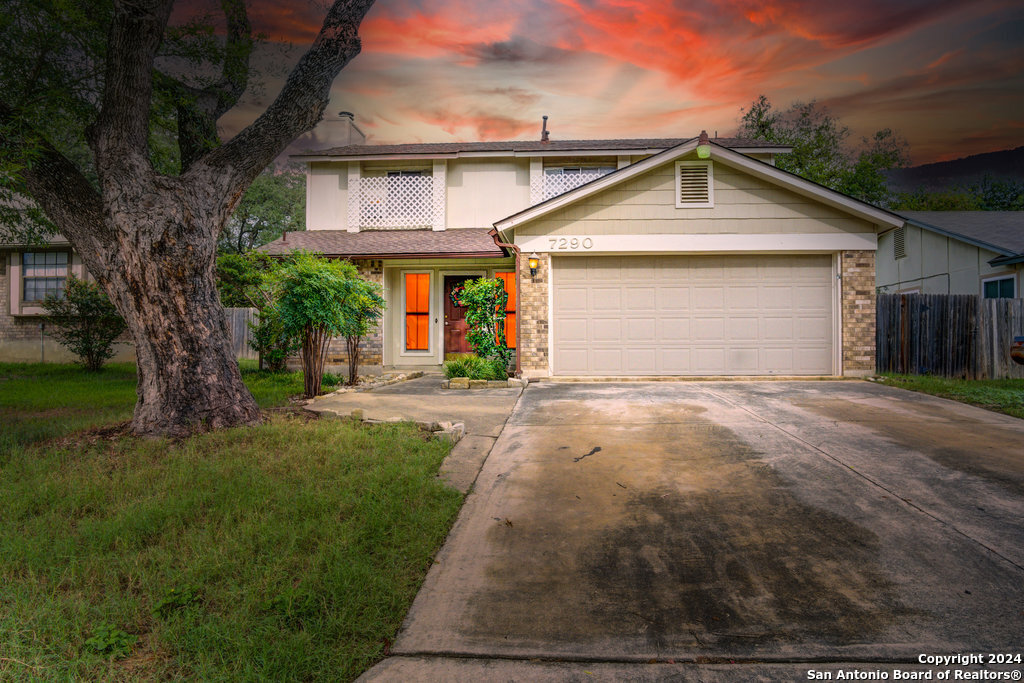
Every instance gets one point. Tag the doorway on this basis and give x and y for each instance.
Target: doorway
(455, 325)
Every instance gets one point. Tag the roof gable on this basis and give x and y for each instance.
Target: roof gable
(719, 154)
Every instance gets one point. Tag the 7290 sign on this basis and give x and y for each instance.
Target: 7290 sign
(569, 243)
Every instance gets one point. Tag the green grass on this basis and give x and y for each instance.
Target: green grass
(474, 367)
(1001, 395)
(288, 551)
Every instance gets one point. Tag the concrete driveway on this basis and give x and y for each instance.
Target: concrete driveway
(732, 522)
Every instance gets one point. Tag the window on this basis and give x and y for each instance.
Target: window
(694, 185)
(404, 174)
(564, 178)
(998, 288)
(509, 280)
(417, 311)
(43, 273)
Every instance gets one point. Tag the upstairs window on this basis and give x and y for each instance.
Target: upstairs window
(43, 273)
(694, 185)
(564, 178)
(999, 288)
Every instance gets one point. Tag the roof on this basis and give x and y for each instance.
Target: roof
(384, 244)
(998, 231)
(532, 147)
(750, 165)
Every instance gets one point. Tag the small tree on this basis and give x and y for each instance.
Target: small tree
(363, 309)
(313, 296)
(248, 281)
(485, 301)
(84, 321)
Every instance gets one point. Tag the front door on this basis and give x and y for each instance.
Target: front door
(454, 318)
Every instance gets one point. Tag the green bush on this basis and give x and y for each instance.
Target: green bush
(84, 321)
(475, 367)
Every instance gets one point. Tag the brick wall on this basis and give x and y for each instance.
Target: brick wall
(19, 335)
(371, 348)
(858, 302)
(533, 316)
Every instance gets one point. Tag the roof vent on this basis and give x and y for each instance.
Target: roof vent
(544, 130)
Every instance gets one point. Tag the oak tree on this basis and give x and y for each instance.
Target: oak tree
(107, 140)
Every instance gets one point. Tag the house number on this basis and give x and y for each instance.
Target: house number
(570, 243)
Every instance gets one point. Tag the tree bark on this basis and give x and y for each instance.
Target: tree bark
(149, 239)
(352, 344)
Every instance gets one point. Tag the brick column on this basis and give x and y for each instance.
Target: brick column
(533, 317)
(858, 301)
(372, 345)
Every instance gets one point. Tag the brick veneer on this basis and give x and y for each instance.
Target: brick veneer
(372, 346)
(858, 302)
(533, 317)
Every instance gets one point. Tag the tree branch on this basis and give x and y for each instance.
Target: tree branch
(199, 108)
(301, 102)
(120, 138)
(59, 189)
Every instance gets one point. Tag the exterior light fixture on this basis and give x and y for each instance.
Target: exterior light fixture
(703, 146)
(534, 261)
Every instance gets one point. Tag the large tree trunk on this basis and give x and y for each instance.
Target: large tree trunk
(161, 278)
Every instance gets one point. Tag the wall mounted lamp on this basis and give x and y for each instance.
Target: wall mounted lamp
(534, 262)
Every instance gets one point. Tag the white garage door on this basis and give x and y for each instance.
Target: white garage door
(693, 315)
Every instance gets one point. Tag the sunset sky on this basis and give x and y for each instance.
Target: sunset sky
(947, 75)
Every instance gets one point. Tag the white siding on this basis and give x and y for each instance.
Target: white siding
(482, 191)
(327, 196)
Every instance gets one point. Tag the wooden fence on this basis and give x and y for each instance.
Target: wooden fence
(238, 326)
(952, 335)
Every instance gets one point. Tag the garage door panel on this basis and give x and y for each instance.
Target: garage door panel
(606, 361)
(673, 329)
(570, 331)
(641, 330)
(743, 329)
(571, 300)
(673, 298)
(605, 299)
(693, 315)
(606, 330)
(641, 361)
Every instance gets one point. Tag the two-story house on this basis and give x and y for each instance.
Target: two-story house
(622, 257)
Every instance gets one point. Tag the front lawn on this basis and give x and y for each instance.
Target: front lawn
(1000, 395)
(289, 551)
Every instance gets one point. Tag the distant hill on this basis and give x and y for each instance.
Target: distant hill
(1006, 164)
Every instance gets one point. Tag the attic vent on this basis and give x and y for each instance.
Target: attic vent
(899, 242)
(694, 184)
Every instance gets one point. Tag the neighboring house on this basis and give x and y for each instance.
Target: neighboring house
(953, 252)
(652, 257)
(27, 274)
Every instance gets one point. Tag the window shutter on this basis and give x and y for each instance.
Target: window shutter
(694, 185)
(899, 242)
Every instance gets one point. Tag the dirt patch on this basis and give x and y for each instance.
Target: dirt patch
(673, 536)
(974, 447)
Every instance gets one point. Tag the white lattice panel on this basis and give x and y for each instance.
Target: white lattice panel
(396, 202)
(559, 183)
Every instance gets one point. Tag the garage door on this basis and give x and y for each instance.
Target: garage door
(692, 315)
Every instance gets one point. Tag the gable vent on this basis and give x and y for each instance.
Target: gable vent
(694, 184)
(899, 242)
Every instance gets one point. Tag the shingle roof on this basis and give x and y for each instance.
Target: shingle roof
(454, 243)
(1002, 230)
(435, 148)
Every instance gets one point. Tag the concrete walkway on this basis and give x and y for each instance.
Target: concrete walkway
(483, 411)
(726, 531)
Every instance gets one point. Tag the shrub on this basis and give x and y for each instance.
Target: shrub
(485, 300)
(475, 367)
(84, 321)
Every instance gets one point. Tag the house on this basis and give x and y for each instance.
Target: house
(635, 257)
(28, 272)
(953, 252)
